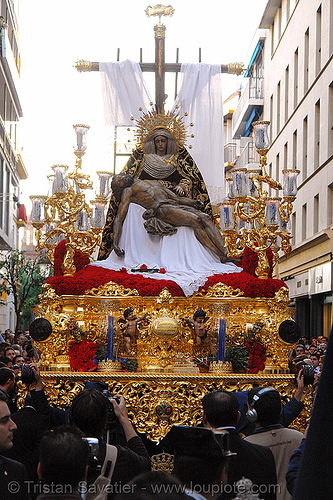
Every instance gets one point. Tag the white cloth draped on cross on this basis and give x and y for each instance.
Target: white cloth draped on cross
(200, 96)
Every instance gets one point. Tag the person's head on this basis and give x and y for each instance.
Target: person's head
(3, 347)
(299, 349)
(10, 353)
(7, 426)
(18, 360)
(88, 413)
(321, 362)
(119, 183)
(199, 316)
(315, 357)
(21, 339)
(267, 404)
(312, 349)
(128, 313)
(6, 361)
(220, 409)
(160, 142)
(7, 379)
(63, 458)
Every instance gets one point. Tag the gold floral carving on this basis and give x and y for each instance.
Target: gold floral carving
(112, 289)
(220, 290)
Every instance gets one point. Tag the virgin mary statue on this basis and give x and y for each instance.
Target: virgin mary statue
(170, 163)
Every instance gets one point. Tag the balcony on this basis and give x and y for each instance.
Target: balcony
(249, 105)
(6, 145)
(230, 154)
(248, 158)
(11, 65)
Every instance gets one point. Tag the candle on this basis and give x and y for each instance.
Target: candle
(222, 331)
(110, 338)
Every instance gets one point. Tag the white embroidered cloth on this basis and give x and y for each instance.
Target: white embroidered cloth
(185, 259)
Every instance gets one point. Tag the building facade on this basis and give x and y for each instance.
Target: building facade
(12, 168)
(289, 82)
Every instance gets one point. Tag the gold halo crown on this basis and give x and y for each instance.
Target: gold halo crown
(152, 121)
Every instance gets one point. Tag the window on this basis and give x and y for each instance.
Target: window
(304, 222)
(296, 78)
(330, 205)
(277, 167)
(306, 60)
(305, 149)
(315, 214)
(294, 165)
(286, 93)
(317, 135)
(330, 119)
(285, 162)
(278, 104)
(293, 226)
(318, 41)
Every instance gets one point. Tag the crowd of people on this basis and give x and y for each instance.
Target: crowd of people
(92, 451)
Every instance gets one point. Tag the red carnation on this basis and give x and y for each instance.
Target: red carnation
(143, 266)
(162, 271)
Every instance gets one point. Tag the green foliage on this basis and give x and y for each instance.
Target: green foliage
(23, 278)
(239, 358)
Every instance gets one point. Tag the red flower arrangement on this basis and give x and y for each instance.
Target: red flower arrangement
(82, 355)
(257, 352)
(250, 261)
(80, 259)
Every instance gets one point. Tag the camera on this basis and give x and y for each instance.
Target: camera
(93, 453)
(112, 418)
(27, 374)
(307, 369)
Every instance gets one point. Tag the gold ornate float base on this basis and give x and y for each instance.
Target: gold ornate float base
(156, 402)
(167, 387)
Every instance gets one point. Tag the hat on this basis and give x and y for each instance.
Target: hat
(197, 442)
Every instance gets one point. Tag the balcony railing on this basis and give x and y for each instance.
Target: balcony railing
(230, 153)
(248, 156)
(7, 146)
(253, 91)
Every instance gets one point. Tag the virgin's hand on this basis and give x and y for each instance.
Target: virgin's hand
(180, 191)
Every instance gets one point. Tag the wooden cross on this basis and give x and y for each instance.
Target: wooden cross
(160, 67)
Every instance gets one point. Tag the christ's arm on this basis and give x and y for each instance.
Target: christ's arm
(183, 200)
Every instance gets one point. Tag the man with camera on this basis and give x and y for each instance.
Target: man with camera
(112, 466)
(264, 410)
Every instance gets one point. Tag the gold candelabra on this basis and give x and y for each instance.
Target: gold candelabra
(65, 214)
(249, 217)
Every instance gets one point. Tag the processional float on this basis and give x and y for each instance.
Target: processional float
(172, 370)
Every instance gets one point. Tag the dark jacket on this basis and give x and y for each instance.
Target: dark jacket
(14, 484)
(30, 429)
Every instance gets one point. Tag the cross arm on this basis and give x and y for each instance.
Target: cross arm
(86, 66)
